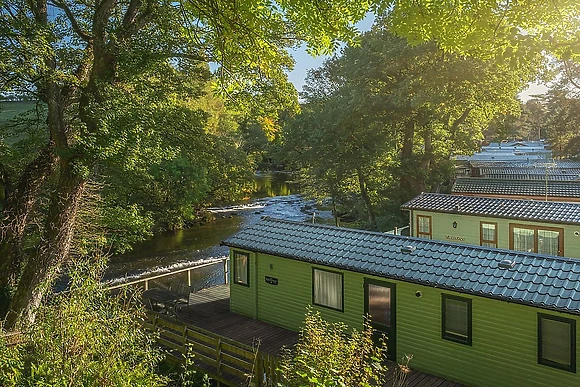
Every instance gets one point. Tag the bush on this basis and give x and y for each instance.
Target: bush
(185, 375)
(84, 337)
(326, 356)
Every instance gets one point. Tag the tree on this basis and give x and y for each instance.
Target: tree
(84, 337)
(109, 74)
(388, 116)
(562, 104)
(520, 31)
(529, 125)
(207, 166)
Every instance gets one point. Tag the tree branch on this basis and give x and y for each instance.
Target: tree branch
(132, 22)
(570, 76)
(81, 72)
(74, 23)
(131, 12)
(101, 18)
(460, 120)
(35, 11)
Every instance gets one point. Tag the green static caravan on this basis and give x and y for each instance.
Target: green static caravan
(480, 316)
(551, 228)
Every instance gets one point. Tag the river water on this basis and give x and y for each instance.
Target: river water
(274, 196)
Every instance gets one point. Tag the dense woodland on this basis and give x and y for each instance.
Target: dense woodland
(146, 112)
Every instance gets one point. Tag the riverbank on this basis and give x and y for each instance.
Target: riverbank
(200, 242)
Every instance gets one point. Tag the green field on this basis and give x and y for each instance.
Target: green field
(9, 109)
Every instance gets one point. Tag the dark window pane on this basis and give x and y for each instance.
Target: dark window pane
(556, 341)
(456, 317)
(380, 304)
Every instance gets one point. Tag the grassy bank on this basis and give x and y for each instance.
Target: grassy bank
(9, 109)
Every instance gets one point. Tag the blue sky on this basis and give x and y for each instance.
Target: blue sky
(305, 62)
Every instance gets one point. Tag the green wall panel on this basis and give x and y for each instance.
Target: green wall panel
(504, 348)
(285, 304)
(242, 298)
(467, 230)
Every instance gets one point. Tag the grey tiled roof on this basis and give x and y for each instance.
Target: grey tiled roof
(483, 186)
(537, 280)
(532, 177)
(535, 210)
(501, 157)
(559, 164)
(518, 144)
(531, 173)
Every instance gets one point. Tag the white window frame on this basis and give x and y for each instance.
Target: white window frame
(236, 269)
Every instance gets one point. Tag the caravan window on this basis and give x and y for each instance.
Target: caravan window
(327, 289)
(241, 268)
(557, 342)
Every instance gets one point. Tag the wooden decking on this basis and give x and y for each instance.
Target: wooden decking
(209, 309)
(417, 379)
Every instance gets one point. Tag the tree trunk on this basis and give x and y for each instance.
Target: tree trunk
(406, 181)
(99, 70)
(40, 270)
(365, 195)
(19, 205)
(335, 213)
(426, 163)
(459, 121)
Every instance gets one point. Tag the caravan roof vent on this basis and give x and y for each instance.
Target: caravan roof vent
(407, 249)
(507, 264)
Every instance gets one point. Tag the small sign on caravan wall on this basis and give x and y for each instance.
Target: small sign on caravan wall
(454, 238)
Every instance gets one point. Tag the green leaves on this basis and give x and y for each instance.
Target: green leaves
(382, 120)
(561, 108)
(481, 29)
(122, 80)
(84, 337)
(326, 355)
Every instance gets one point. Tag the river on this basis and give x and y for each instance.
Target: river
(274, 196)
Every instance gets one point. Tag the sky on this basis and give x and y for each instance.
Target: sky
(305, 62)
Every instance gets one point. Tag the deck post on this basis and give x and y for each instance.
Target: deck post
(259, 370)
(189, 279)
(155, 322)
(146, 284)
(226, 272)
(219, 357)
(184, 338)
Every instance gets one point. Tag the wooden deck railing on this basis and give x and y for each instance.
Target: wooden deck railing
(225, 360)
